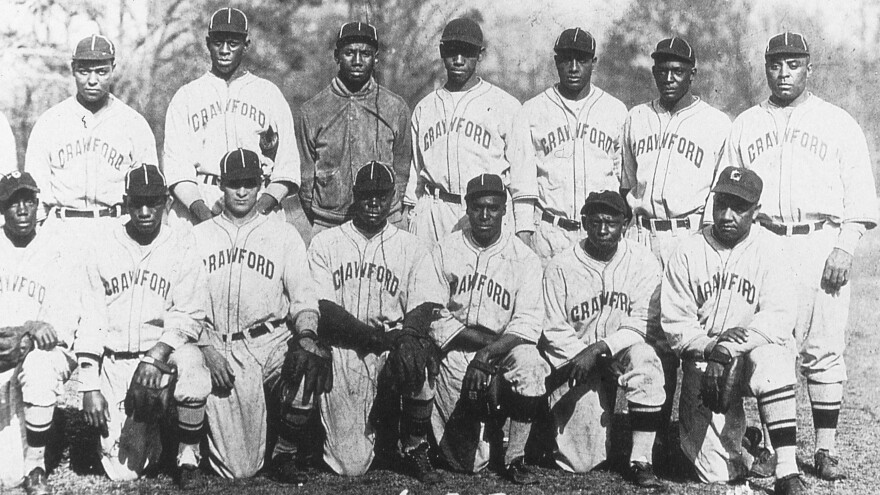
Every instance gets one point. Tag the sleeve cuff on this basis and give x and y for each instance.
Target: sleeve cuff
(89, 375)
(696, 349)
(622, 339)
(306, 320)
(524, 215)
(850, 235)
(187, 192)
(277, 190)
(173, 339)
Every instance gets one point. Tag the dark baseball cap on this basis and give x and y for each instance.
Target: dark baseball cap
(228, 20)
(357, 32)
(575, 39)
(14, 182)
(677, 48)
(94, 47)
(145, 180)
(609, 199)
(372, 177)
(463, 30)
(240, 164)
(485, 185)
(787, 43)
(740, 182)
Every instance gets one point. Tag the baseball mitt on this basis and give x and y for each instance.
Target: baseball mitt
(15, 343)
(721, 381)
(414, 355)
(308, 361)
(151, 391)
(269, 143)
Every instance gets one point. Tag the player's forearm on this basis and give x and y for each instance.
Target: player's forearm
(306, 321)
(524, 215)
(499, 348)
(850, 235)
(472, 339)
(186, 192)
(279, 190)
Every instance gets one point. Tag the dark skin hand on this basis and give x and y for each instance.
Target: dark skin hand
(738, 335)
(222, 376)
(266, 204)
(201, 211)
(96, 411)
(585, 363)
(837, 268)
(477, 379)
(43, 335)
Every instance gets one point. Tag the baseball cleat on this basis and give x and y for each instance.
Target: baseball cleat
(827, 466)
(764, 465)
(518, 473)
(792, 484)
(642, 475)
(36, 483)
(284, 469)
(184, 476)
(418, 465)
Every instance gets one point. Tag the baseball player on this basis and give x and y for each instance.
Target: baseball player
(152, 291)
(352, 121)
(488, 282)
(80, 149)
(8, 153)
(366, 266)
(601, 330)
(671, 147)
(260, 291)
(819, 198)
(458, 131)
(726, 297)
(566, 143)
(225, 109)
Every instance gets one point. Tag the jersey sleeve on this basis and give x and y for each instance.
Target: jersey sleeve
(643, 323)
(859, 191)
(417, 163)
(179, 149)
(560, 342)
(287, 158)
(320, 267)
(92, 323)
(185, 317)
(307, 154)
(402, 150)
(429, 284)
(528, 313)
(629, 167)
(297, 278)
(678, 303)
(143, 142)
(36, 159)
(523, 172)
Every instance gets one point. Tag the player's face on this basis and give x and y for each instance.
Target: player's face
(146, 213)
(93, 79)
(460, 60)
(604, 229)
(574, 69)
(733, 218)
(371, 209)
(673, 79)
(486, 215)
(20, 213)
(787, 77)
(227, 52)
(356, 62)
(240, 196)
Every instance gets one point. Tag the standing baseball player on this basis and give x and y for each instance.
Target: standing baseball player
(819, 199)
(264, 315)
(80, 150)
(488, 281)
(728, 311)
(352, 121)
(671, 147)
(366, 266)
(152, 289)
(602, 330)
(225, 109)
(458, 132)
(566, 144)
(8, 153)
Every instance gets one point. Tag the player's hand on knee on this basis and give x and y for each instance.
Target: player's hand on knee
(308, 361)
(737, 335)
(585, 363)
(837, 268)
(42, 334)
(222, 376)
(96, 411)
(477, 377)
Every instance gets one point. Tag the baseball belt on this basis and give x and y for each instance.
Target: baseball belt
(664, 225)
(443, 195)
(64, 212)
(124, 354)
(561, 222)
(793, 229)
(254, 332)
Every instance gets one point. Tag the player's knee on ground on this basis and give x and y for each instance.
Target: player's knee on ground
(525, 370)
(43, 374)
(769, 367)
(193, 376)
(643, 379)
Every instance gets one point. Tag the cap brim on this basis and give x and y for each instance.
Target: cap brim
(735, 191)
(21, 187)
(662, 54)
(786, 51)
(357, 39)
(470, 42)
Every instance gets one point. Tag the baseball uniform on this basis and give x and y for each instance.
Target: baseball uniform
(369, 277)
(258, 281)
(456, 135)
(561, 150)
(709, 288)
(669, 161)
(8, 153)
(495, 288)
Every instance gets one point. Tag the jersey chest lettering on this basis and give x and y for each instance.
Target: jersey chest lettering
(253, 260)
(355, 270)
(200, 119)
(688, 149)
(459, 125)
(592, 306)
(15, 283)
(479, 282)
(583, 132)
(87, 145)
(796, 137)
(145, 278)
(725, 282)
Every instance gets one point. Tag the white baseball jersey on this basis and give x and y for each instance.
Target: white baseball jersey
(79, 159)
(587, 300)
(369, 278)
(563, 149)
(209, 117)
(457, 136)
(8, 153)
(669, 159)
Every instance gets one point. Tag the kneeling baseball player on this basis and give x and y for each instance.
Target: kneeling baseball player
(601, 331)
(728, 311)
(488, 281)
(265, 318)
(151, 292)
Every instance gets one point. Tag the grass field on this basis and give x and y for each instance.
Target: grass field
(858, 438)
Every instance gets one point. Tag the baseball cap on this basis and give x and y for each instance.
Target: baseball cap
(240, 164)
(14, 182)
(374, 176)
(463, 30)
(485, 185)
(228, 20)
(355, 32)
(145, 180)
(575, 39)
(94, 47)
(675, 47)
(609, 199)
(740, 182)
(787, 43)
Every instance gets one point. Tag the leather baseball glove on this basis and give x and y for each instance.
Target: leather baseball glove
(15, 343)
(151, 392)
(269, 143)
(308, 361)
(414, 356)
(722, 380)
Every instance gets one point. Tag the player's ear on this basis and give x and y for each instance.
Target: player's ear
(482, 52)
(247, 43)
(336, 55)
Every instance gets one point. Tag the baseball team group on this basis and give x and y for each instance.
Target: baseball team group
(438, 280)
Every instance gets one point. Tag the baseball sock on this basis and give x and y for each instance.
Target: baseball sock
(190, 420)
(290, 430)
(825, 399)
(415, 421)
(778, 408)
(522, 412)
(644, 422)
(38, 421)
